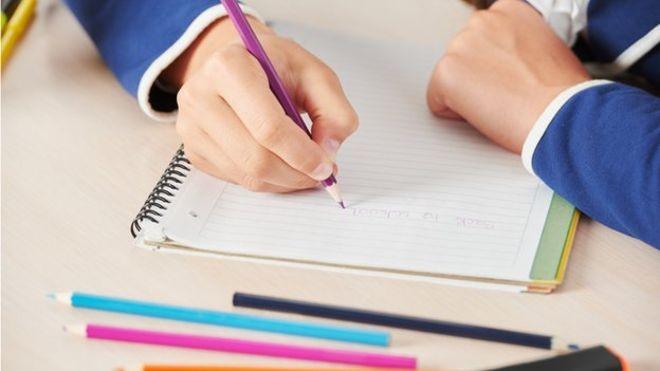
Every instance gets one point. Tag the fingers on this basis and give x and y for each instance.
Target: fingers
(444, 82)
(244, 86)
(435, 99)
(212, 130)
(244, 180)
(200, 148)
(235, 129)
(322, 97)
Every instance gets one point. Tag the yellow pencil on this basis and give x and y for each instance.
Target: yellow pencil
(16, 27)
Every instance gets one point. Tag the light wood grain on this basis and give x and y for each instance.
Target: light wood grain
(78, 159)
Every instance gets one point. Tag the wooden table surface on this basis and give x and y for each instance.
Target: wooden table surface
(78, 159)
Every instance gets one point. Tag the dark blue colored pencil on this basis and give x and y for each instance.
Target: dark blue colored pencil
(398, 321)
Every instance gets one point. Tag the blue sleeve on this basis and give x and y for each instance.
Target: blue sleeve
(614, 25)
(602, 153)
(131, 34)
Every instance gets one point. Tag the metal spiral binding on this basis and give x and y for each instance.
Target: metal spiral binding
(167, 186)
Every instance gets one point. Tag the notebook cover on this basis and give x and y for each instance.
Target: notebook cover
(556, 241)
(561, 271)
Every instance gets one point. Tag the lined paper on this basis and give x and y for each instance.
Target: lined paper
(423, 194)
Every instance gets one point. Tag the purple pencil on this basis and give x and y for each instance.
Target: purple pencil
(253, 46)
(215, 343)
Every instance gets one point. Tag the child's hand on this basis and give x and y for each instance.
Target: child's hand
(232, 125)
(501, 72)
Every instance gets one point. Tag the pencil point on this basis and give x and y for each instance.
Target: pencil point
(333, 190)
(62, 297)
(130, 368)
(562, 345)
(80, 330)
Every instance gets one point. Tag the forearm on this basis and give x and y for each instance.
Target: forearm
(601, 152)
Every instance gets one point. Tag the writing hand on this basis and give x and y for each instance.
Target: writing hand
(232, 125)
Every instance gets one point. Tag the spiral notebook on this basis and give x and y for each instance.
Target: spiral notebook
(428, 199)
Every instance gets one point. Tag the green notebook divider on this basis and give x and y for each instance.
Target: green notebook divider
(553, 240)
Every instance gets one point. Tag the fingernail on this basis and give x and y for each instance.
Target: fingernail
(322, 171)
(331, 146)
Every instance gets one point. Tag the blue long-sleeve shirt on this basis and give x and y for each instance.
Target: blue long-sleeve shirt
(602, 153)
(139, 39)
(600, 149)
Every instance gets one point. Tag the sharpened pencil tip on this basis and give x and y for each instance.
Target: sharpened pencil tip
(80, 330)
(562, 345)
(62, 297)
(341, 203)
(131, 368)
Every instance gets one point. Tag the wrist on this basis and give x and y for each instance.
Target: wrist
(216, 36)
(547, 116)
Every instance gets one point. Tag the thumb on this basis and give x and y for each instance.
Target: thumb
(333, 117)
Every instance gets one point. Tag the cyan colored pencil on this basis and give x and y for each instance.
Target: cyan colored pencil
(226, 319)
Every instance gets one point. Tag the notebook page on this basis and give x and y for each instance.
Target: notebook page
(423, 194)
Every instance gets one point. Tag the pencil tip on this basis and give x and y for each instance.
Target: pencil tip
(333, 190)
(562, 345)
(75, 329)
(62, 297)
(130, 368)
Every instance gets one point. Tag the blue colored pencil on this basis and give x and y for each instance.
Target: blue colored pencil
(399, 321)
(226, 319)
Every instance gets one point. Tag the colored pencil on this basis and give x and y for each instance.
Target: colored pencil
(132, 335)
(253, 46)
(402, 322)
(4, 22)
(163, 367)
(226, 319)
(15, 28)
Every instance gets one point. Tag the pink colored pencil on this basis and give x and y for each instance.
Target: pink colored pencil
(132, 335)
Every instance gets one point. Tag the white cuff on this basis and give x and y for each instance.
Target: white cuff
(542, 123)
(196, 27)
(633, 53)
(567, 18)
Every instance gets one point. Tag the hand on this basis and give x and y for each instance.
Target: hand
(232, 125)
(501, 72)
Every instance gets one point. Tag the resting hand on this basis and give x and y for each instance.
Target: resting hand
(501, 71)
(232, 125)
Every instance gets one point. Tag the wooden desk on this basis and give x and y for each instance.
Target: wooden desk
(78, 158)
